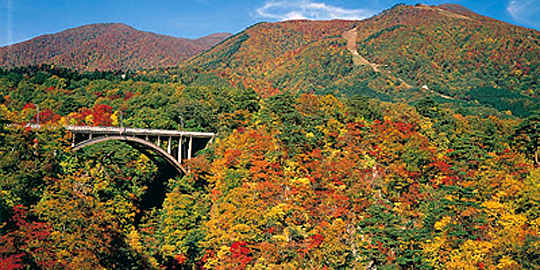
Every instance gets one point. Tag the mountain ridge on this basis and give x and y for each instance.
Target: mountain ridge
(446, 49)
(106, 46)
(404, 53)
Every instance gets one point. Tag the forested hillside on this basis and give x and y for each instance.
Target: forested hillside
(451, 49)
(408, 52)
(409, 140)
(105, 47)
(293, 181)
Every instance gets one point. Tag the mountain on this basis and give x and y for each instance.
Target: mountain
(445, 51)
(292, 180)
(404, 53)
(452, 49)
(110, 46)
(298, 54)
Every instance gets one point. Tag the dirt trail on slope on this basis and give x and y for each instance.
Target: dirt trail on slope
(358, 60)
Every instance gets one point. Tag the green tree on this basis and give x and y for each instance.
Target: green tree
(527, 136)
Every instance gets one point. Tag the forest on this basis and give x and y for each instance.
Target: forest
(294, 179)
(452, 51)
(105, 46)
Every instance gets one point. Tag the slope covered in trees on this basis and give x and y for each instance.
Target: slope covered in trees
(443, 51)
(418, 50)
(320, 162)
(451, 49)
(297, 181)
(105, 47)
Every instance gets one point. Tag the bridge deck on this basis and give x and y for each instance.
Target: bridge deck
(138, 132)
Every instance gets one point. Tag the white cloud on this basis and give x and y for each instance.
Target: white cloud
(306, 9)
(525, 11)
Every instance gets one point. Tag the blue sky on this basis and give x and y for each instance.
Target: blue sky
(24, 19)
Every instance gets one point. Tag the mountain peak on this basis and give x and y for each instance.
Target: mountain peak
(447, 48)
(105, 46)
(455, 8)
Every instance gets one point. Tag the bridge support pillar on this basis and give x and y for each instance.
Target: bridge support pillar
(180, 150)
(190, 145)
(169, 145)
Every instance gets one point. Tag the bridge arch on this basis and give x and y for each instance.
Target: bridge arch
(137, 143)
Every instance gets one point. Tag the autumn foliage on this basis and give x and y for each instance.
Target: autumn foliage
(303, 173)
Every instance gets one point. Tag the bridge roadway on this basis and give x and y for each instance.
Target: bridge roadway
(138, 131)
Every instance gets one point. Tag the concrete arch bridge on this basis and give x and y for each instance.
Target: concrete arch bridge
(172, 145)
